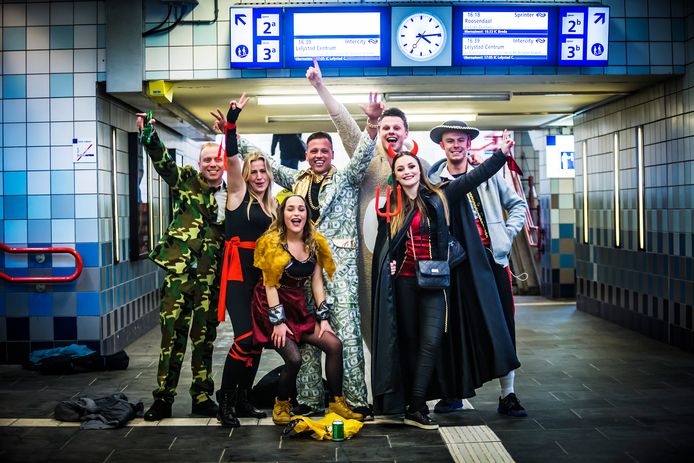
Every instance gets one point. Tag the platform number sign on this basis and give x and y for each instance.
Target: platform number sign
(255, 37)
(584, 36)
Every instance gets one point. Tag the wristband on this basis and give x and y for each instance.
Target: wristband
(233, 115)
(371, 126)
(276, 314)
(229, 126)
(322, 311)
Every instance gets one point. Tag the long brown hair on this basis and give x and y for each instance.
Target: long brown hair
(309, 232)
(268, 201)
(408, 204)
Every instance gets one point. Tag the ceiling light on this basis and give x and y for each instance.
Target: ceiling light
(440, 117)
(481, 96)
(309, 99)
(361, 117)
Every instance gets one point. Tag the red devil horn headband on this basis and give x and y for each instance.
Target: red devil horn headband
(413, 151)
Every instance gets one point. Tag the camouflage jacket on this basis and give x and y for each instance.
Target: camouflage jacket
(195, 237)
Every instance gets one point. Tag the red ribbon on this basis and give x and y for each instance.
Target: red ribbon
(513, 166)
(231, 270)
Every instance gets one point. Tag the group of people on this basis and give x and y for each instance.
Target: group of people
(287, 273)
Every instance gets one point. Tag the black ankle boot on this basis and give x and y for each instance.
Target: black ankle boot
(245, 408)
(226, 413)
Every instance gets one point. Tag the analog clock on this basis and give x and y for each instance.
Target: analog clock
(421, 36)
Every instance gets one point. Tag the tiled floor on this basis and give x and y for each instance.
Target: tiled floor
(595, 392)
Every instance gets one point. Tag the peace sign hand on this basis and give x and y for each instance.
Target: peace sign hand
(375, 108)
(506, 143)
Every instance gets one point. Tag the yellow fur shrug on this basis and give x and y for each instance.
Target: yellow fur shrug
(271, 258)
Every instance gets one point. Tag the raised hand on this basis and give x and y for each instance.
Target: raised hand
(375, 108)
(313, 74)
(220, 121)
(141, 121)
(506, 143)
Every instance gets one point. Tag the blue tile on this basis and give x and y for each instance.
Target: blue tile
(15, 158)
(637, 53)
(566, 230)
(40, 304)
(638, 70)
(15, 207)
(617, 53)
(39, 207)
(62, 37)
(86, 230)
(617, 30)
(62, 206)
(555, 246)
(89, 253)
(159, 40)
(637, 29)
(14, 38)
(15, 183)
(62, 231)
(88, 304)
(86, 206)
(14, 86)
(15, 233)
(61, 85)
(14, 135)
(39, 231)
(64, 304)
(566, 261)
(65, 328)
(351, 72)
(17, 305)
(204, 35)
(17, 328)
(62, 182)
(101, 36)
(661, 53)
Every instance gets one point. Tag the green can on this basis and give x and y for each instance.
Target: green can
(338, 430)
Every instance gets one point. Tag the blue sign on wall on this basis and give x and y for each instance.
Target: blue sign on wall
(583, 36)
(256, 35)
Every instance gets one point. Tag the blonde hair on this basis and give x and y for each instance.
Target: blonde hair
(204, 146)
(268, 201)
(309, 233)
(408, 204)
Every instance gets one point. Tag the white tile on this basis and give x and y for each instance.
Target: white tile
(86, 207)
(14, 110)
(101, 60)
(181, 35)
(85, 36)
(85, 181)
(61, 13)
(182, 75)
(85, 109)
(61, 61)
(224, 58)
(157, 58)
(87, 230)
(14, 62)
(38, 38)
(86, 13)
(14, 15)
(38, 14)
(40, 134)
(61, 133)
(38, 86)
(180, 58)
(85, 130)
(38, 158)
(39, 183)
(85, 84)
(61, 157)
(61, 109)
(205, 57)
(223, 32)
(62, 231)
(85, 60)
(37, 62)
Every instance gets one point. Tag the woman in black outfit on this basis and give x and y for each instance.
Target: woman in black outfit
(250, 209)
(409, 321)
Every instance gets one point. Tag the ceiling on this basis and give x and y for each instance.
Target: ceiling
(536, 101)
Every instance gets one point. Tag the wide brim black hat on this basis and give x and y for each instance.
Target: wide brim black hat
(452, 126)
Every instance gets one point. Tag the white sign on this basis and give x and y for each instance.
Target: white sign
(241, 35)
(560, 156)
(506, 47)
(498, 21)
(84, 151)
(598, 29)
(336, 49)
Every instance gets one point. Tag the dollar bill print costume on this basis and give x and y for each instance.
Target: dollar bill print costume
(191, 253)
(339, 211)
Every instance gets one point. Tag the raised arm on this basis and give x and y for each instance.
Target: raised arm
(356, 168)
(464, 184)
(163, 163)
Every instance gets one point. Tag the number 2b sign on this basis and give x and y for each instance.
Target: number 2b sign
(255, 37)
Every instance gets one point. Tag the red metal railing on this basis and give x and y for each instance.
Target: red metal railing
(63, 279)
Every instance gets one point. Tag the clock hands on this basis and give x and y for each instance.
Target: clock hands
(424, 36)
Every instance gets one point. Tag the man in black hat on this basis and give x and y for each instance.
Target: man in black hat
(481, 216)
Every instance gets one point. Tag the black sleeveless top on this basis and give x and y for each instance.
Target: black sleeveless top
(297, 271)
(237, 222)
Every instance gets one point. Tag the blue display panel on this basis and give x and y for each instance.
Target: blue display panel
(256, 35)
(583, 36)
(337, 36)
(484, 36)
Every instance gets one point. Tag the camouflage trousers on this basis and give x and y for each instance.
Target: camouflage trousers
(186, 308)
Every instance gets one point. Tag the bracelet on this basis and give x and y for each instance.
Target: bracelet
(229, 126)
(371, 126)
(277, 314)
(322, 311)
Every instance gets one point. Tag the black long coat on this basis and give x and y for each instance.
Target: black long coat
(477, 346)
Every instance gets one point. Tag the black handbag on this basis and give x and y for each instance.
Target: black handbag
(431, 273)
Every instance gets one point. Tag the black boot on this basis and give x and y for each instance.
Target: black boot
(245, 408)
(226, 414)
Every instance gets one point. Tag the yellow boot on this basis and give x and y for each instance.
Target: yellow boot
(339, 406)
(280, 412)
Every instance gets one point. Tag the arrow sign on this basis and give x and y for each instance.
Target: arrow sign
(239, 18)
(599, 17)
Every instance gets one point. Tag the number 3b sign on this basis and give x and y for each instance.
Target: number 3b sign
(255, 37)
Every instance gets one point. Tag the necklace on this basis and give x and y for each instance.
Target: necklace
(314, 207)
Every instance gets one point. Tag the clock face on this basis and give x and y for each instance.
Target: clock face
(421, 36)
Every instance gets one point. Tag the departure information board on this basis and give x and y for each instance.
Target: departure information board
(583, 36)
(256, 37)
(337, 36)
(504, 36)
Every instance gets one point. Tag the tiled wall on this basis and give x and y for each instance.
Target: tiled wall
(52, 61)
(650, 290)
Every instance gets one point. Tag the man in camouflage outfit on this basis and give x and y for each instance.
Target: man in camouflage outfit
(190, 252)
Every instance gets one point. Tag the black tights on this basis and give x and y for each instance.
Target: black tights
(328, 343)
(420, 322)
